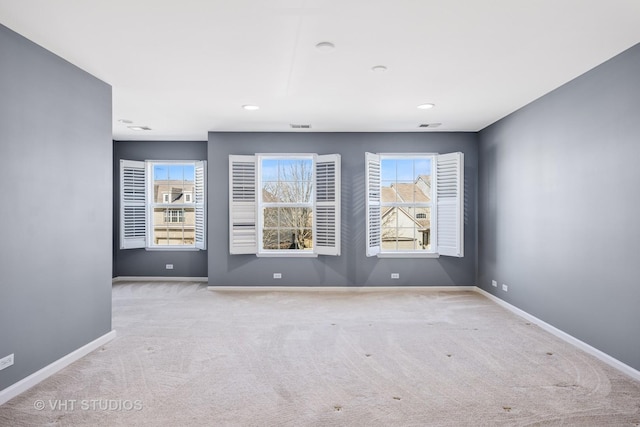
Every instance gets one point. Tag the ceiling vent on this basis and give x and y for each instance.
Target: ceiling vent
(294, 126)
(429, 125)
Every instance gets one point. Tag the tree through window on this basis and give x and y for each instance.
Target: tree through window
(287, 203)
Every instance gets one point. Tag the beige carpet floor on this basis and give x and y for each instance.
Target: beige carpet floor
(186, 356)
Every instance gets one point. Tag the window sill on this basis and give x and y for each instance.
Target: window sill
(286, 255)
(173, 248)
(408, 255)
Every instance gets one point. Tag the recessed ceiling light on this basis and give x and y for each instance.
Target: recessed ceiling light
(379, 69)
(325, 46)
(429, 125)
(139, 127)
(426, 106)
(250, 107)
(125, 121)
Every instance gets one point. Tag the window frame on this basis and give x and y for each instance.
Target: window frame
(137, 205)
(447, 210)
(167, 206)
(401, 205)
(262, 205)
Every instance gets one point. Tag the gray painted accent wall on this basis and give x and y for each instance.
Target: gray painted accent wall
(559, 205)
(55, 169)
(352, 268)
(140, 262)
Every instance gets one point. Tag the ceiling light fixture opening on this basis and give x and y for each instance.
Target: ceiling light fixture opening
(325, 46)
(296, 126)
(125, 121)
(429, 125)
(426, 106)
(250, 107)
(139, 127)
(379, 69)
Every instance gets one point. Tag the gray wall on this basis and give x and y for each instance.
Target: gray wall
(55, 169)
(352, 268)
(559, 205)
(140, 262)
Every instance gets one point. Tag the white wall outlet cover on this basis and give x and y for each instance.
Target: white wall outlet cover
(277, 275)
(494, 283)
(6, 361)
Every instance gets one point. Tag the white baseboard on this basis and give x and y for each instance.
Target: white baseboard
(38, 376)
(614, 363)
(340, 288)
(158, 279)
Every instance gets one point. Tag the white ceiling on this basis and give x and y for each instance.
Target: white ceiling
(186, 67)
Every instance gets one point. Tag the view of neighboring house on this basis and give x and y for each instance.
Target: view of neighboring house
(174, 224)
(407, 227)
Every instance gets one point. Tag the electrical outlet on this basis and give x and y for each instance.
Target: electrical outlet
(169, 266)
(7, 361)
(277, 275)
(505, 287)
(494, 283)
(395, 275)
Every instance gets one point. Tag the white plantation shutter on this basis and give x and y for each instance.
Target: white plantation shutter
(450, 204)
(373, 224)
(327, 208)
(133, 218)
(200, 204)
(242, 205)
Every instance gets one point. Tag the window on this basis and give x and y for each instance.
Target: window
(284, 205)
(405, 195)
(155, 210)
(174, 215)
(414, 205)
